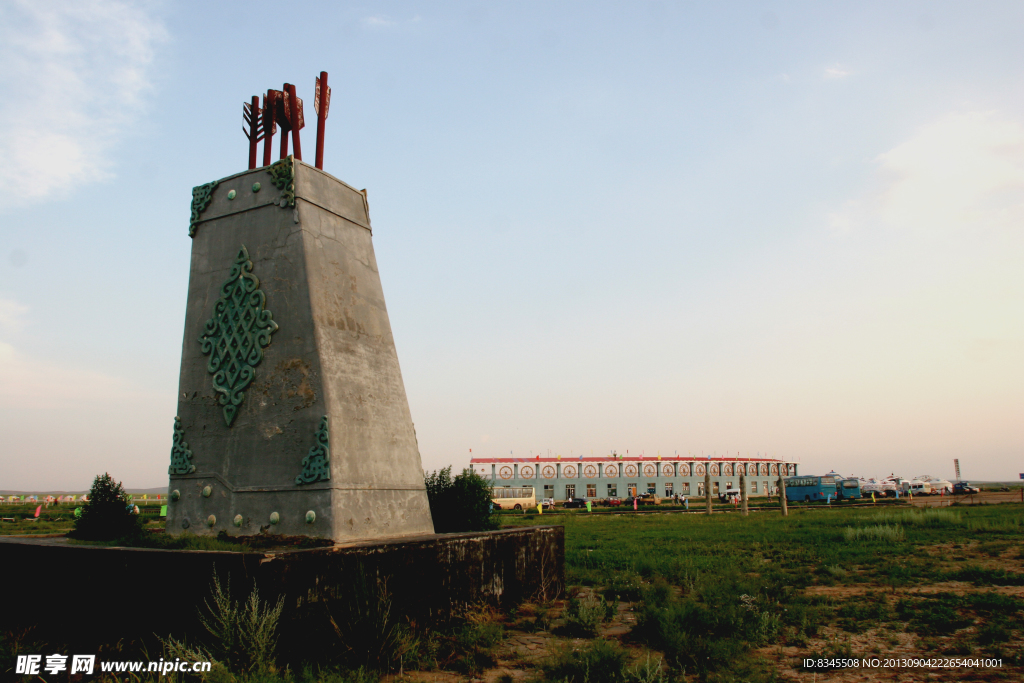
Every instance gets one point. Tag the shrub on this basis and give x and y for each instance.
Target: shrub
(462, 503)
(368, 630)
(600, 661)
(983, 576)
(242, 636)
(583, 616)
(107, 514)
(881, 532)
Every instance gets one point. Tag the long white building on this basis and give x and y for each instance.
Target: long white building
(613, 476)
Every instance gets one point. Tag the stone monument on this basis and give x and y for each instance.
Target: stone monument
(292, 414)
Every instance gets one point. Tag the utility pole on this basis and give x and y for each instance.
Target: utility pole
(743, 495)
(707, 490)
(782, 496)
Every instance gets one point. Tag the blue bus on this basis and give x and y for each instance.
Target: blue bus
(808, 489)
(848, 488)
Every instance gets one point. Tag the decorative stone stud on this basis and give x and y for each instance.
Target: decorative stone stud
(238, 520)
(175, 494)
(274, 518)
(207, 490)
(231, 194)
(211, 520)
(310, 517)
(184, 523)
(256, 187)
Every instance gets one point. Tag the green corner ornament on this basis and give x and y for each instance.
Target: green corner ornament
(282, 174)
(315, 466)
(235, 336)
(201, 197)
(181, 456)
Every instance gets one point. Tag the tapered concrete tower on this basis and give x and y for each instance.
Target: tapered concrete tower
(292, 414)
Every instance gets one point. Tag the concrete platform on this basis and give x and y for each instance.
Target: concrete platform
(137, 593)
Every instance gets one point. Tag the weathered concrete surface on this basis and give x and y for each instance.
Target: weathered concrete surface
(427, 578)
(333, 355)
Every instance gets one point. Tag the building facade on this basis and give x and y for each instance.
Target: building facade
(615, 477)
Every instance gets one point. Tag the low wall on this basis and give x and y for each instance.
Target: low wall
(136, 593)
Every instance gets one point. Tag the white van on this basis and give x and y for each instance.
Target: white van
(918, 487)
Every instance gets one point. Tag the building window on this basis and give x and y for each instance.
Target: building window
(700, 488)
(631, 490)
(669, 489)
(549, 490)
(753, 486)
(613, 490)
(684, 488)
(591, 490)
(715, 489)
(570, 491)
(652, 487)
(765, 487)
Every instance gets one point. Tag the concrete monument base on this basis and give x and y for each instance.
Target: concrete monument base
(138, 594)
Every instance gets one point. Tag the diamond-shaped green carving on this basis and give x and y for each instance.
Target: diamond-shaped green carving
(235, 336)
(316, 464)
(282, 174)
(201, 197)
(181, 456)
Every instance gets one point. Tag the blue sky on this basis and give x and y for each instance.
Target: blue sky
(792, 228)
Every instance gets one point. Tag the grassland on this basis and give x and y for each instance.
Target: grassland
(727, 598)
(673, 598)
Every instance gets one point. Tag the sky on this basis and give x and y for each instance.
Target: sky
(792, 228)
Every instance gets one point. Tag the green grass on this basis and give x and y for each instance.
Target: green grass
(709, 591)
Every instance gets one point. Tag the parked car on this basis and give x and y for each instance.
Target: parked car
(575, 503)
(962, 488)
(611, 502)
(648, 499)
(548, 503)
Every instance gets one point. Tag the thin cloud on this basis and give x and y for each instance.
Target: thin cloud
(11, 315)
(963, 171)
(74, 77)
(31, 383)
(835, 72)
(378, 21)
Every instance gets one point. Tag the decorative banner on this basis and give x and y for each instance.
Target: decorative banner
(700, 470)
(505, 472)
(650, 470)
(590, 471)
(727, 469)
(764, 469)
(611, 471)
(775, 469)
(666, 470)
(630, 470)
(568, 472)
(714, 470)
(526, 472)
(684, 470)
(548, 472)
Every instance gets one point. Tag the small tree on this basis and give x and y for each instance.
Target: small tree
(107, 514)
(459, 504)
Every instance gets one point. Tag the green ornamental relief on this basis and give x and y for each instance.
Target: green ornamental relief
(282, 174)
(181, 456)
(235, 336)
(201, 197)
(316, 464)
